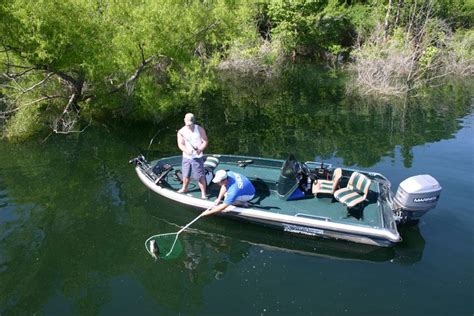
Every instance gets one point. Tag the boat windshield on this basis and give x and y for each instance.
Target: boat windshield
(289, 176)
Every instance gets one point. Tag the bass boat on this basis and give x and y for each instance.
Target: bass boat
(305, 198)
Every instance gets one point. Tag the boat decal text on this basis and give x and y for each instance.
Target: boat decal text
(426, 199)
(302, 230)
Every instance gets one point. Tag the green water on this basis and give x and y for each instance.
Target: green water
(74, 216)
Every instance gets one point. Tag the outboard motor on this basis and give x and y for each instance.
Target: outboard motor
(416, 196)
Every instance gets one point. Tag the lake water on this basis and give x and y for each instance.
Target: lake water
(74, 216)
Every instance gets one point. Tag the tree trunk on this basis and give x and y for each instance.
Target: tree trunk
(397, 15)
(387, 17)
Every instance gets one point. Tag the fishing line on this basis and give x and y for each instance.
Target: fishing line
(153, 138)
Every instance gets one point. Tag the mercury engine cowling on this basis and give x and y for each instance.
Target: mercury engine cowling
(416, 196)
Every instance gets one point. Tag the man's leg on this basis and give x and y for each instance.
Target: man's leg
(199, 174)
(243, 200)
(184, 188)
(185, 170)
(202, 186)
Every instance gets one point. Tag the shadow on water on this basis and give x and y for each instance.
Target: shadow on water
(246, 235)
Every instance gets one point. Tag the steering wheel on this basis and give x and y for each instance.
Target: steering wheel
(305, 169)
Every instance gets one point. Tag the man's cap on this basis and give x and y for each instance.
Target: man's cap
(189, 119)
(220, 175)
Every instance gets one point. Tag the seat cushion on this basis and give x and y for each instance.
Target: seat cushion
(349, 197)
(323, 186)
(211, 163)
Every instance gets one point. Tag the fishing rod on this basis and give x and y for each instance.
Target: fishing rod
(153, 138)
(187, 139)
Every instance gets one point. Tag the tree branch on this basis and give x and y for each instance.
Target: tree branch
(136, 74)
(38, 84)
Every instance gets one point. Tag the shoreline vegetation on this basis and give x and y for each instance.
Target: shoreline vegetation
(65, 64)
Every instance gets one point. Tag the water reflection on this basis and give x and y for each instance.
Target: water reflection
(247, 236)
(306, 112)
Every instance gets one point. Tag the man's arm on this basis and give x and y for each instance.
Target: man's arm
(222, 192)
(182, 144)
(216, 209)
(204, 139)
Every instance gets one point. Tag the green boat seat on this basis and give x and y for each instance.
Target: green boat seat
(211, 163)
(356, 191)
(327, 186)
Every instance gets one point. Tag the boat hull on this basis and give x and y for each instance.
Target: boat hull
(297, 223)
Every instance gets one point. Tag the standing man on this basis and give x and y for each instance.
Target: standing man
(192, 140)
(235, 188)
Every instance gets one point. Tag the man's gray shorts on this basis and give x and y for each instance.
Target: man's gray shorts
(195, 165)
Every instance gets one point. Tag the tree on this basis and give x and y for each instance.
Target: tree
(413, 48)
(58, 56)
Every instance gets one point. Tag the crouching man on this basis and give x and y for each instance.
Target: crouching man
(236, 189)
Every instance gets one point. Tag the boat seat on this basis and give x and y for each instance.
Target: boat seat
(355, 192)
(211, 163)
(327, 186)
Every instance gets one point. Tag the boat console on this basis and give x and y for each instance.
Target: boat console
(295, 180)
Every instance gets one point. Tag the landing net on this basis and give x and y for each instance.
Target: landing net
(168, 244)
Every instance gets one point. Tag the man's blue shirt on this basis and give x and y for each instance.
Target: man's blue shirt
(237, 185)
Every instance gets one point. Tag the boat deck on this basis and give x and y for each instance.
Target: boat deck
(264, 174)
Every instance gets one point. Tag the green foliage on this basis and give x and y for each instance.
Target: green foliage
(427, 57)
(161, 53)
(310, 27)
(414, 47)
(143, 59)
(364, 19)
(25, 123)
(459, 55)
(61, 35)
(458, 13)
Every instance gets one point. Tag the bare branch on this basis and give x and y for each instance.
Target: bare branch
(6, 114)
(128, 83)
(70, 130)
(142, 52)
(38, 84)
(43, 98)
(10, 75)
(387, 16)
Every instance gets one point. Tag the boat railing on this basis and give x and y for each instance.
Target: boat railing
(380, 178)
(321, 218)
(317, 164)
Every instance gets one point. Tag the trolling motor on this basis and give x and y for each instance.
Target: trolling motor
(156, 173)
(138, 160)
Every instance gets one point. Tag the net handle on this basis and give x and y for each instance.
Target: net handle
(182, 229)
(191, 222)
(179, 232)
